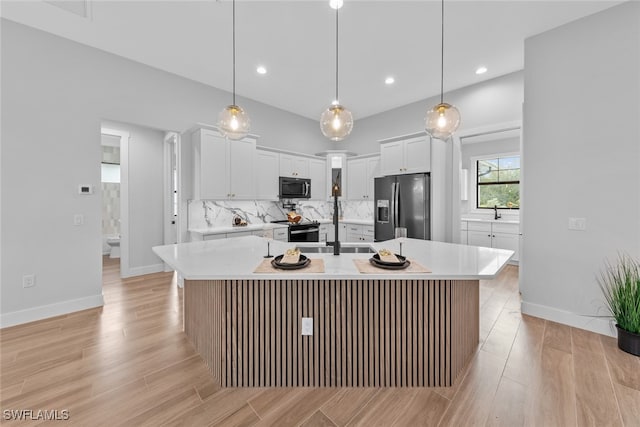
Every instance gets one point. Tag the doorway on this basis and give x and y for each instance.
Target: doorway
(114, 194)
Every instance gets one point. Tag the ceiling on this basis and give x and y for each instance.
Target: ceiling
(295, 40)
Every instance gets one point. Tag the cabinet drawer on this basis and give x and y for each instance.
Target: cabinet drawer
(214, 236)
(281, 234)
(506, 228)
(368, 231)
(238, 234)
(479, 226)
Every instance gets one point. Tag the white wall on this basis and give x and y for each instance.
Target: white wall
(55, 94)
(581, 153)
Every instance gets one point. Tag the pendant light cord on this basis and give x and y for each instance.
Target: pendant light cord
(337, 99)
(441, 51)
(234, 50)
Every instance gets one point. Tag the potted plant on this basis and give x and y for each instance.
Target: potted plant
(620, 284)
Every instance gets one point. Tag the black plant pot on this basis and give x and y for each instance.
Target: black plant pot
(628, 341)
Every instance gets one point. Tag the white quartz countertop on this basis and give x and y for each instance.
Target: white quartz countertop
(263, 226)
(504, 221)
(237, 258)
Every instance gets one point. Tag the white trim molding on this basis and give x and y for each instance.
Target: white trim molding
(146, 269)
(599, 325)
(50, 310)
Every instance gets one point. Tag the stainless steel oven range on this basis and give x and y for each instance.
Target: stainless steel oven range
(303, 231)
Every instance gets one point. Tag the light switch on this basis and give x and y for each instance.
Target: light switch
(579, 224)
(78, 219)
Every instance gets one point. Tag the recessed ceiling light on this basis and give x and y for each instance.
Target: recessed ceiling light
(481, 70)
(336, 4)
(389, 80)
(261, 70)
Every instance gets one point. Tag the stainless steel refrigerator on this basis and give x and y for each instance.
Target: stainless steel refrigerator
(403, 201)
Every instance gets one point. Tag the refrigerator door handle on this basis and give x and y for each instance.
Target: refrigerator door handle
(396, 200)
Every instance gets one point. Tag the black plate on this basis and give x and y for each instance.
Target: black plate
(392, 266)
(303, 261)
(401, 260)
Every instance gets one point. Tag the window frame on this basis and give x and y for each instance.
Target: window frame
(476, 185)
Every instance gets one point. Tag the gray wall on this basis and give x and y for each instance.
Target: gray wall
(55, 94)
(581, 153)
(491, 102)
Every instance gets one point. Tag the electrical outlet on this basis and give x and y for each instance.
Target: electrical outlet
(307, 326)
(28, 280)
(78, 219)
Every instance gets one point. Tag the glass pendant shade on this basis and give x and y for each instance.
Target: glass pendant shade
(233, 122)
(336, 122)
(442, 121)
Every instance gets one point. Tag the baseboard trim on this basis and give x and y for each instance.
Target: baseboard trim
(598, 325)
(51, 310)
(147, 269)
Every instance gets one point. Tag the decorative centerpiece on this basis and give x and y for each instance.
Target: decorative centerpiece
(293, 217)
(620, 284)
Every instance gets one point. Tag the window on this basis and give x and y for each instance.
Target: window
(498, 183)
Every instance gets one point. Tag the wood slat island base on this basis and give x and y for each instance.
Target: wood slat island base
(366, 333)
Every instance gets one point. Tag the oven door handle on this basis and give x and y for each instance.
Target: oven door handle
(308, 230)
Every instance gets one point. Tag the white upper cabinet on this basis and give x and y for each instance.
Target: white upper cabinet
(411, 155)
(223, 169)
(318, 175)
(267, 173)
(373, 170)
(242, 169)
(294, 166)
(360, 181)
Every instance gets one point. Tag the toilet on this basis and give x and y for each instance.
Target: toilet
(114, 244)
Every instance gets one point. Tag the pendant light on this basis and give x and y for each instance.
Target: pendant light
(336, 122)
(443, 119)
(233, 122)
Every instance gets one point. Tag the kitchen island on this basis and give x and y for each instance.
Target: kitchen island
(375, 329)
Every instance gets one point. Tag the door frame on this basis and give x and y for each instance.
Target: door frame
(124, 198)
(172, 149)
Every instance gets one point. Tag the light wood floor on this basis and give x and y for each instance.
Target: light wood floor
(129, 363)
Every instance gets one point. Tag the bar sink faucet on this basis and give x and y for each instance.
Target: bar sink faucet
(335, 191)
(496, 214)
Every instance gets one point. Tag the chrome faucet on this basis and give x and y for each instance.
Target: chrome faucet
(496, 214)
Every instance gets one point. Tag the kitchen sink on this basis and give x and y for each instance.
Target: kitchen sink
(343, 249)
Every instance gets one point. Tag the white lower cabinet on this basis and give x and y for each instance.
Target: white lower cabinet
(463, 233)
(342, 232)
(359, 233)
(281, 234)
(327, 233)
(214, 236)
(492, 235)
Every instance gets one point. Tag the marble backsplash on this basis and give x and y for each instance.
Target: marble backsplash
(205, 214)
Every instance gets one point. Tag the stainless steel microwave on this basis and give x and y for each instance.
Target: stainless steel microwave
(295, 188)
